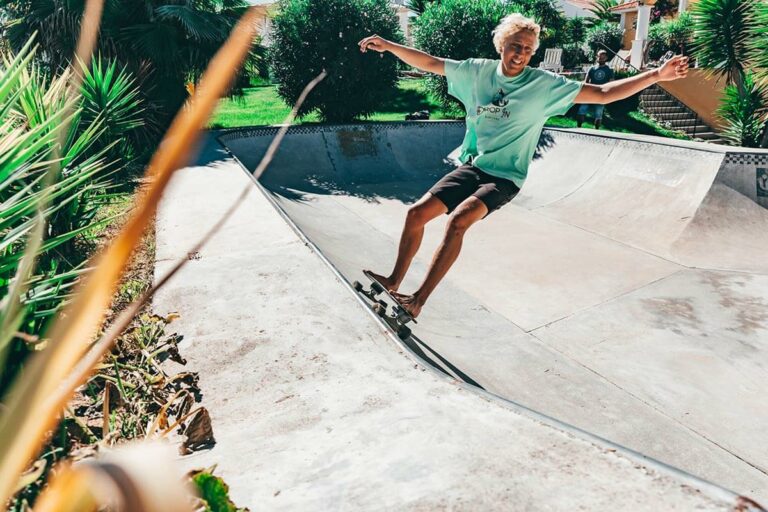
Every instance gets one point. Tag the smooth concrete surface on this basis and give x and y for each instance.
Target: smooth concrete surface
(625, 291)
(315, 407)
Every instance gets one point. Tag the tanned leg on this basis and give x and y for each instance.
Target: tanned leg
(423, 211)
(467, 213)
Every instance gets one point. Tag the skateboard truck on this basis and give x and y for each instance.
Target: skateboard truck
(396, 318)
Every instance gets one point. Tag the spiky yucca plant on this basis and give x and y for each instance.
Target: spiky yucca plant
(34, 108)
(723, 31)
(745, 112)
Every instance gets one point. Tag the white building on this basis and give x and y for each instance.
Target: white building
(576, 8)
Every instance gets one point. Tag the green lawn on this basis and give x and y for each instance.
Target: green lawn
(262, 106)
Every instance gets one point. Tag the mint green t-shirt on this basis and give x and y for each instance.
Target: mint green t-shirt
(505, 115)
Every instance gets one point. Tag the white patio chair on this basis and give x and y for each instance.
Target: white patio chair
(621, 61)
(551, 60)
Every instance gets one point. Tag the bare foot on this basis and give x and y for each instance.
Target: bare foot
(411, 303)
(387, 282)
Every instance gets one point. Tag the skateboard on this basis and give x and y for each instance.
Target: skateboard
(394, 315)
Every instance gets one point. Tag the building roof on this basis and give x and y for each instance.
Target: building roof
(626, 6)
(582, 4)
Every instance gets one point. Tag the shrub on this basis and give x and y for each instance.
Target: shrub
(674, 36)
(657, 41)
(575, 31)
(312, 35)
(573, 56)
(744, 114)
(680, 32)
(604, 36)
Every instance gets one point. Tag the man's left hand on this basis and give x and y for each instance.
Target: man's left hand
(674, 68)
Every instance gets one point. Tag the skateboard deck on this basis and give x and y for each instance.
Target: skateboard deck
(391, 311)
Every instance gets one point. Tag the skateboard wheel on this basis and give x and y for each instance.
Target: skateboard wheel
(357, 286)
(376, 287)
(379, 310)
(403, 317)
(403, 332)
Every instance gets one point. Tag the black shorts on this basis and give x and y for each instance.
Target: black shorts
(466, 181)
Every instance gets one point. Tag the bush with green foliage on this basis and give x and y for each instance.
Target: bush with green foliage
(573, 56)
(658, 43)
(310, 36)
(606, 36)
(674, 35)
(745, 114)
(418, 6)
(575, 31)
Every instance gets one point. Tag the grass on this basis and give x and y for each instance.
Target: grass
(260, 105)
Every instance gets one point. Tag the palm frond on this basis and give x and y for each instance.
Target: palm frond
(200, 25)
(722, 31)
(745, 113)
(758, 48)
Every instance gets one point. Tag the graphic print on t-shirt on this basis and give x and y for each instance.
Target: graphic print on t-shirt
(499, 100)
(497, 109)
(599, 75)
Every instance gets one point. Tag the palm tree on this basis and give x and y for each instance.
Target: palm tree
(723, 31)
(730, 38)
(418, 6)
(164, 43)
(603, 13)
(759, 54)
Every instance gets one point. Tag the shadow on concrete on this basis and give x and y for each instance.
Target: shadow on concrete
(415, 343)
(381, 180)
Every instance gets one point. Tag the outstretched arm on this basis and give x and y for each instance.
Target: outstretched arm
(614, 91)
(410, 56)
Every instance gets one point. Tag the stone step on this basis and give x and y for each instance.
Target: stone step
(654, 96)
(662, 103)
(689, 124)
(668, 111)
(670, 115)
(708, 136)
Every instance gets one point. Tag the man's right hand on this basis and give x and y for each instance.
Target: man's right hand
(375, 43)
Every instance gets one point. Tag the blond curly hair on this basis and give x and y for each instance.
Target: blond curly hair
(512, 24)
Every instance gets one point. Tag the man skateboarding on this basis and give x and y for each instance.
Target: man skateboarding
(507, 104)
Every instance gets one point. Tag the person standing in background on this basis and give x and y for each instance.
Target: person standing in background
(598, 74)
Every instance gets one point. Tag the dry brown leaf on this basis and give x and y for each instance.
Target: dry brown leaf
(199, 433)
(31, 475)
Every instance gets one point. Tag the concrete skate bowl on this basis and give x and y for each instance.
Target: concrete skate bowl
(624, 291)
